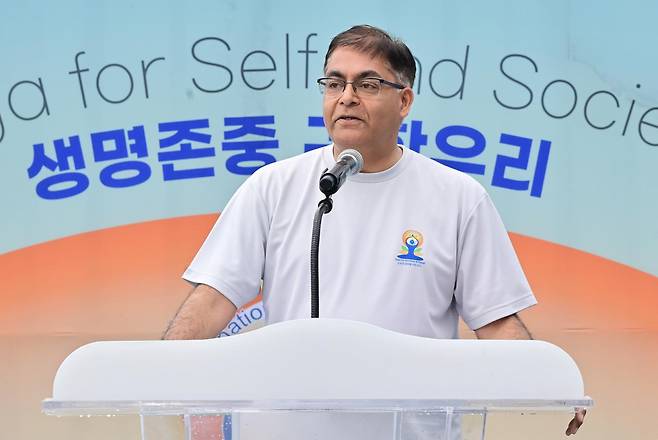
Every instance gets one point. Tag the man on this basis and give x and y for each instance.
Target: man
(410, 245)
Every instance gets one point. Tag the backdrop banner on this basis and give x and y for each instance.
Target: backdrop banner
(126, 127)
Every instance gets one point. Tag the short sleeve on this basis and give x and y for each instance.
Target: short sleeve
(490, 281)
(232, 257)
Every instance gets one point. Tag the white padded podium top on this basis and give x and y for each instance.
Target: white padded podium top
(318, 360)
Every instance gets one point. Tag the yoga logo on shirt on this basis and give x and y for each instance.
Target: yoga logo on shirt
(412, 242)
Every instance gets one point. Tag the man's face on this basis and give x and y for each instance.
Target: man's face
(370, 122)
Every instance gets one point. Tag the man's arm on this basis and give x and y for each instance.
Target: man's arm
(202, 315)
(511, 327)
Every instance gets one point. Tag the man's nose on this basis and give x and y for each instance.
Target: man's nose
(349, 95)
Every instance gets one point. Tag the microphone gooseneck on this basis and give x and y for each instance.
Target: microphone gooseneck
(323, 208)
(349, 162)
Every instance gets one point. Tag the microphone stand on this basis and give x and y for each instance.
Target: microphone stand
(349, 162)
(324, 207)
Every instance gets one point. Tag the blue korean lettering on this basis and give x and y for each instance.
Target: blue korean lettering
(51, 188)
(314, 121)
(417, 138)
(185, 135)
(112, 145)
(521, 162)
(250, 158)
(540, 168)
(442, 142)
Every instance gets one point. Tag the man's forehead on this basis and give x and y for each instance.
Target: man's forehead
(368, 64)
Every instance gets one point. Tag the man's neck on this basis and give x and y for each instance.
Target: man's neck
(375, 159)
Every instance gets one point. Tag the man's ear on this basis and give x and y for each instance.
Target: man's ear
(406, 99)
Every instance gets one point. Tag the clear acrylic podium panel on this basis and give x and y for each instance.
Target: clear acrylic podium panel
(320, 420)
(316, 379)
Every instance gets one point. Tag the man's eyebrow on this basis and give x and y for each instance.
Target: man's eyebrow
(364, 74)
(369, 73)
(335, 73)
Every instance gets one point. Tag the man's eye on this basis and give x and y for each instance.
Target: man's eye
(369, 85)
(332, 84)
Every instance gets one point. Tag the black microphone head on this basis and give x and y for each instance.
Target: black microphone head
(328, 184)
(349, 162)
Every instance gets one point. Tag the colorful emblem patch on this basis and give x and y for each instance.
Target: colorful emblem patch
(412, 247)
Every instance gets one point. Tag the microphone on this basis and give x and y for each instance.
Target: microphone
(349, 163)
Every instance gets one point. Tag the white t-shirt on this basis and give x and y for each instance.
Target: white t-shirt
(408, 249)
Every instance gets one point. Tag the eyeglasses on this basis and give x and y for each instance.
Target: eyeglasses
(334, 87)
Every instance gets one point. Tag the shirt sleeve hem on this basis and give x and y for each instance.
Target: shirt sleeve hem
(501, 311)
(231, 294)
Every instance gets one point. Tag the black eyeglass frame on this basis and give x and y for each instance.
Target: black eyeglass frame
(381, 81)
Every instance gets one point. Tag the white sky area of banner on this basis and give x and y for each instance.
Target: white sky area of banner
(599, 189)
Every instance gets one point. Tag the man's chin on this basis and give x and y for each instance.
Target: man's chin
(343, 142)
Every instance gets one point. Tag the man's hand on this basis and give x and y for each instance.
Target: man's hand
(511, 327)
(202, 315)
(576, 421)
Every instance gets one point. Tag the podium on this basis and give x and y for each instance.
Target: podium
(316, 379)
